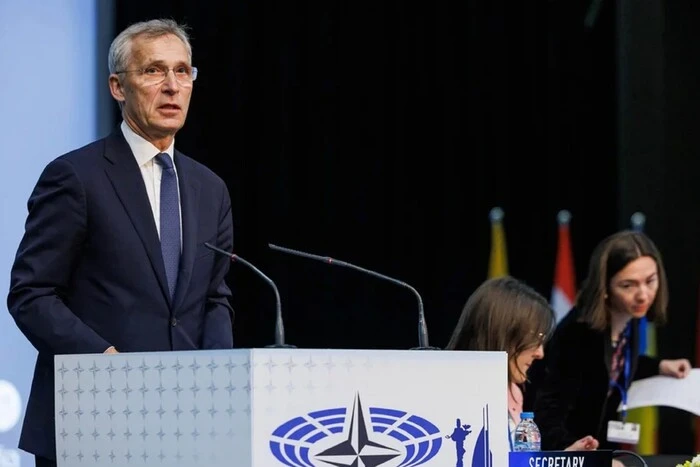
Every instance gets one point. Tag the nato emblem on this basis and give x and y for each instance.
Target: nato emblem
(354, 438)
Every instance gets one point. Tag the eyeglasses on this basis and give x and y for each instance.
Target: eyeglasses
(539, 338)
(151, 75)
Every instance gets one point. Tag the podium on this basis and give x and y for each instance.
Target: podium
(282, 407)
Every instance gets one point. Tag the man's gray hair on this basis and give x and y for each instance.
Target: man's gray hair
(120, 50)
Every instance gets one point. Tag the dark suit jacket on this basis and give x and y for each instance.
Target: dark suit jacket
(89, 271)
(572, 398)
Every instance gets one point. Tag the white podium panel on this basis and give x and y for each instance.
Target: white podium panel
(282, 407)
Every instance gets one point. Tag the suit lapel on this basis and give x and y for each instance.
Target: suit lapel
(189, 201)
(127, 181)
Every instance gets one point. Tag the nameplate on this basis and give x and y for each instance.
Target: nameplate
(560, 459)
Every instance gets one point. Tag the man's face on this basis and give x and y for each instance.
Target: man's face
(153, 108)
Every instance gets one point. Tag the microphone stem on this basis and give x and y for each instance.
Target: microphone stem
(279, 329)
(422, 326)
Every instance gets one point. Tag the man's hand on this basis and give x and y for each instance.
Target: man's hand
(111, 350)
(676, 368)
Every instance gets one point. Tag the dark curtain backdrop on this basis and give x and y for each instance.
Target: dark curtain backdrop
(381, 134)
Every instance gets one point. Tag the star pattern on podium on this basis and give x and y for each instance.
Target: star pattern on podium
(194, 367)
(290, 365)
(98, 398)
(349, 365)
(270, 364)
(160, 367)
(144, 368)
(78, 369)
(126, 369)
(230, 366)
(357, 450)
(310, 364)
(177, 367)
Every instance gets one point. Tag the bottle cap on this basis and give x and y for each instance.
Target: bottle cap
(527, 415)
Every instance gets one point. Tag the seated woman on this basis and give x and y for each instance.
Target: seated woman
(503, 314)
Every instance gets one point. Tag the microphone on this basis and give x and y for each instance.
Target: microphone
(279, 324)
(422, 327)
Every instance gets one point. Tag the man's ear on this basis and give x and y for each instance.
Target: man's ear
(116, 88)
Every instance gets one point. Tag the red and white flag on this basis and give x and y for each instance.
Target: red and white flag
(564, 289)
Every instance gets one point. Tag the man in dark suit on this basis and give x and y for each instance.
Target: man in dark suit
(113, 257)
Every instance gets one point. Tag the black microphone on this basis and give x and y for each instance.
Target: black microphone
(422, 327)
(279, 324)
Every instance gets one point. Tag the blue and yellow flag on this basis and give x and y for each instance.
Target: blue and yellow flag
(647, 417)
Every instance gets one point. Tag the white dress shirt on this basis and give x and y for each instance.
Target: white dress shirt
(145, 153)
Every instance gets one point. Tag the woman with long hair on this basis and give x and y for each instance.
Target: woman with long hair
(504, 314)
(594, 356)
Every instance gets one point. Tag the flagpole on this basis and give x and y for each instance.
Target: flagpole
(498, 260)
(564, 287)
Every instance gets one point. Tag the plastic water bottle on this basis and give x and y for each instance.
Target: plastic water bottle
(527, 436)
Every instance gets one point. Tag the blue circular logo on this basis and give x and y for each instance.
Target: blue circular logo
(342, 436)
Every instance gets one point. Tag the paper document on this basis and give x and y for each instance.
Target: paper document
(666, 391)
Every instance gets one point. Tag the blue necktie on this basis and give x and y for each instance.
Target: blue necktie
(169, 221)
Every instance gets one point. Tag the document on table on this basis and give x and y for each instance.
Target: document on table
(666, 391)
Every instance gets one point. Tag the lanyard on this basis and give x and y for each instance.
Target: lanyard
(626, 372)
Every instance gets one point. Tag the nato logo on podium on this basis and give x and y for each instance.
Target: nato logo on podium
(378, 436)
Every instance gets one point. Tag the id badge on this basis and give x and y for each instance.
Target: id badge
(622, 432)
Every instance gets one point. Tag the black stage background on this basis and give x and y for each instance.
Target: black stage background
(382, 134)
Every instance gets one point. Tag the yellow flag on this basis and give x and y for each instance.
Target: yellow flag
(498, 261)
(647, 417)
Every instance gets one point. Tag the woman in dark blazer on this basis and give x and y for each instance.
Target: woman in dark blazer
(584, 371)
